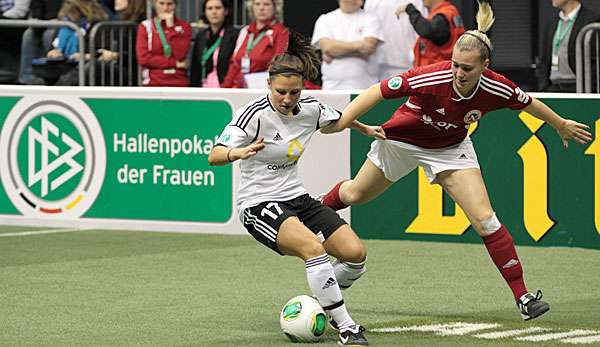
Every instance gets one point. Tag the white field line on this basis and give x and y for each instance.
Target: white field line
(556, 336)
(510, 333)
(582, 340)
(40, 232)
(459, 328)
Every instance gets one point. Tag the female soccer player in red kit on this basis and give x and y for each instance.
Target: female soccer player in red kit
(430, 130)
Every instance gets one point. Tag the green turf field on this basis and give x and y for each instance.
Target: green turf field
(111, 288)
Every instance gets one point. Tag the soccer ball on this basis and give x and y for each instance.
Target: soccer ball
(302, 319)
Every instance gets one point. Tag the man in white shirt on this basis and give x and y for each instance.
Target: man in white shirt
(348, 38)
(395, 55)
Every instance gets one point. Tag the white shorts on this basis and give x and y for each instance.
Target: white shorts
(397, 159)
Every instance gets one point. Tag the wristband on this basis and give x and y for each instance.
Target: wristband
(229, 151)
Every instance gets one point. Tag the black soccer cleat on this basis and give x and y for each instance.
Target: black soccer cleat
(353, 336)
(531, 306)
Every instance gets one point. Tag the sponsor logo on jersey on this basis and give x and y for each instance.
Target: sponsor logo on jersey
(294, 151)
(276, 167)
(438, 125)
(441, 111)
(395, 83)
(225, 137)
(277, 137)
(472, 116)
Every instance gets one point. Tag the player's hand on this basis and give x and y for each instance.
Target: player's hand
(400, 10)
(375, 131)
(572, 130)
(249, 151)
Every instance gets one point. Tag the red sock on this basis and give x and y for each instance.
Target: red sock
(501, 248)
(332, 198)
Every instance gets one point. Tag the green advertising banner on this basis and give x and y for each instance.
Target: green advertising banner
(140, 159)
(545, 195)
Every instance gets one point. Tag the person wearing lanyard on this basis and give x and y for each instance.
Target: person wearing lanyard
(162, 45)
(257, 44)
(556, 69)
(213, 46)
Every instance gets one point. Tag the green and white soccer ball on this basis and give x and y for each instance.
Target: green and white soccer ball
(302, 319)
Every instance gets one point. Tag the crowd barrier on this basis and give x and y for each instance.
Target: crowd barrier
(136, 158)
(36, 23)
(587, 57)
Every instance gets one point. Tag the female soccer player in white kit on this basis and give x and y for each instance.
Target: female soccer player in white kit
(430, 130)
(268, 136)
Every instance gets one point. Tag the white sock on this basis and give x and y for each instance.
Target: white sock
(323, 284)
(347, 272)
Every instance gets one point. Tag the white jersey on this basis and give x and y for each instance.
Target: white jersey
(272, 174)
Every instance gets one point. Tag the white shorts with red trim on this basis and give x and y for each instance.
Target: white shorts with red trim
(397, 159)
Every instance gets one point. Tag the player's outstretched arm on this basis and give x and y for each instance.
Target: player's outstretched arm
(567, 129)
(355, 109)
(220, 155)
(369, 130)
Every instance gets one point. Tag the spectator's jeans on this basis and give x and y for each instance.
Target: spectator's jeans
(36, 42)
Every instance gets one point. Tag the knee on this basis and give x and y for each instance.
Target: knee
(311, 249)
(487, 223)
(356, 253)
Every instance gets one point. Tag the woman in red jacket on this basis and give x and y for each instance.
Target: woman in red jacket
(256, 45)
(162, 45)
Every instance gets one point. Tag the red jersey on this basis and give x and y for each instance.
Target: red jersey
(274, 41)
(435, 114)
(426, 52)
(158, 70)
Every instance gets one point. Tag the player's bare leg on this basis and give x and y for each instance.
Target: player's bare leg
(350, 254)
(294, 238)
(368, 184)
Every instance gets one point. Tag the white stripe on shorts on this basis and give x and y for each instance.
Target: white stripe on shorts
(260, 226)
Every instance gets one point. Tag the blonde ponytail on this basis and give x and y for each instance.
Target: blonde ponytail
(478, 39)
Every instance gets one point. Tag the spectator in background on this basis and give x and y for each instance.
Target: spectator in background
(14, 9)
(84, 13)
(213, 46)
(395, 55)
(438, 33)
(256, 45)
(556, 70)
(162, 45)
(36, 42)
(109, 58)
(348, 39)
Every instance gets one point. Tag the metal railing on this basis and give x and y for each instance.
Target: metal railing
(121, 38)
(583, 58)
(37, 23)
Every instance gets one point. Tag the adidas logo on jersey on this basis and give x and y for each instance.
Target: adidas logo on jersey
(463, 156)
(330, 282)
(441, 111)
(277, 137)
